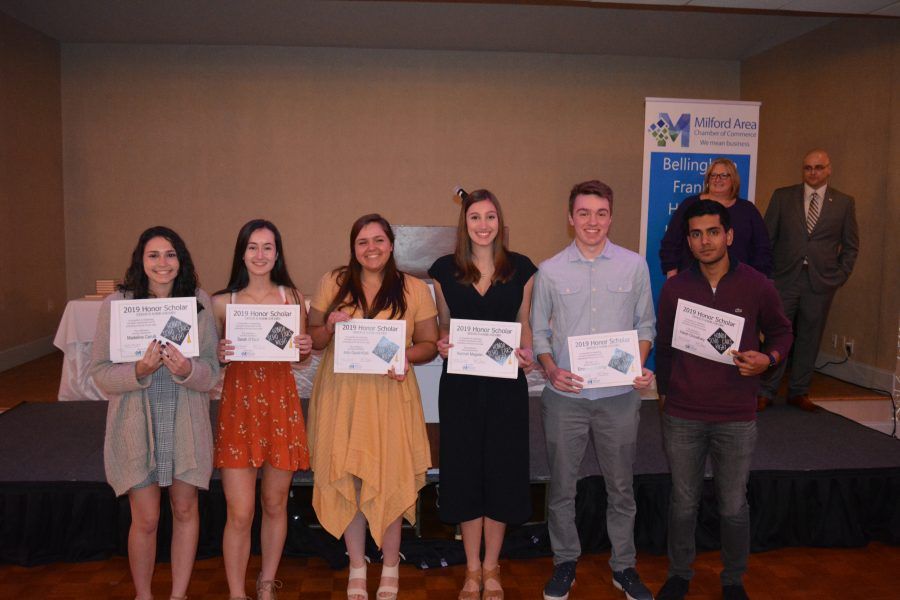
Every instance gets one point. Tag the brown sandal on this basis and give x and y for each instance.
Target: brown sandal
(492, 574)
(474, 576)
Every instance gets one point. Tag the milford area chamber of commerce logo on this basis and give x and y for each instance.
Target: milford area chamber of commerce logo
(665, 132)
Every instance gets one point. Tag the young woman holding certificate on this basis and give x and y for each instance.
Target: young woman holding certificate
(367, 432)
(484, 420)
(158, 432)
(260, 418)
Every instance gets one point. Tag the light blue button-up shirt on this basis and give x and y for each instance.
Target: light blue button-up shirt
(577, 296)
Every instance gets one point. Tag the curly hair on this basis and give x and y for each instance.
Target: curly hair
(136, 281)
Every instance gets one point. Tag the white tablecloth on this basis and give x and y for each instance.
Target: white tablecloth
(75, 337)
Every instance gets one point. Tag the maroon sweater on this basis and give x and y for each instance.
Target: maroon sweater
(704, 390)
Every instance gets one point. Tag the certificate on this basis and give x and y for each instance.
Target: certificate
(486, 348)
(370, 346)
(605, 359)
(263, 331)
(707, 332)
(133, 323)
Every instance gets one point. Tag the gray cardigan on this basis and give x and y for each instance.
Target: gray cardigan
(128, 444)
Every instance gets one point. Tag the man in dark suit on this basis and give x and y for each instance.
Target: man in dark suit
(815, 241)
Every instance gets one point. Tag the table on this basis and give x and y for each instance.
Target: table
(75, 336)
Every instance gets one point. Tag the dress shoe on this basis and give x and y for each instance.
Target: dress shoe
(675, 588)
(734, 592)
(762, 402)
(802, 401)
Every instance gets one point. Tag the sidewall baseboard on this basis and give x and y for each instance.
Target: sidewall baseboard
(17, 355)
(856, 372)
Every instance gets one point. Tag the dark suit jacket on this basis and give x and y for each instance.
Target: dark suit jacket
(831, 248)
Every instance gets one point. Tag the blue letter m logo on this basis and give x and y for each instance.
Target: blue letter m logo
(665, 132)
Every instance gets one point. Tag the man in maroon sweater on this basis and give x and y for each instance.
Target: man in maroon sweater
(710, 407)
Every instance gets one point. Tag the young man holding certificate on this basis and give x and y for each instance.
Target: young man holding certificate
(708, 365)
(591, 287)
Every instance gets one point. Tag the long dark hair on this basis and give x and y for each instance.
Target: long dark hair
(136, 281)
(349, 278)
(239, 277)
(466, 271)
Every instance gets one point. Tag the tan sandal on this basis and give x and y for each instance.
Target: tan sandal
(474, 576)
(495, 594)
(389, 591)
(269, 586)
(355, 592)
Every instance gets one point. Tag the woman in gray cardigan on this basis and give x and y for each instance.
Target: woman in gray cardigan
(158, 432)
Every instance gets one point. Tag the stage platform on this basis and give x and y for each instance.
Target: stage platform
(817, 479)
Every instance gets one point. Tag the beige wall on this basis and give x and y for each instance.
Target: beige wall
(839, 88)
(204, 138)
(32, 248)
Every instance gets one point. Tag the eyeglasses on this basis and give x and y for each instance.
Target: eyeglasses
(720, 175)
(816, 168)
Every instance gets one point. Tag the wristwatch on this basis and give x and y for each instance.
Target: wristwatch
(772, 360)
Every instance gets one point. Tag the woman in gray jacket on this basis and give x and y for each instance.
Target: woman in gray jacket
(158, 432)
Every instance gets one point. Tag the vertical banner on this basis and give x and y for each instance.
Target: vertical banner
(681, 137)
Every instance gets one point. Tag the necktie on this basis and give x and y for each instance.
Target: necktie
(813, 215)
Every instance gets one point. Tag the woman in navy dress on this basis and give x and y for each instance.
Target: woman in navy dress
(751, 243)
(484, 420)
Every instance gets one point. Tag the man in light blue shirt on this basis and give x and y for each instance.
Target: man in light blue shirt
(592, 286)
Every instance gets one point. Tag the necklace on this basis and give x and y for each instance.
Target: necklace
(259, 299)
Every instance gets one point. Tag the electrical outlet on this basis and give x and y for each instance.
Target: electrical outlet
(848, 347)
(834, 341)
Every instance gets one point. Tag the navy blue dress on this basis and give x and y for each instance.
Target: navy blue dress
(484, 458)
(751, 243)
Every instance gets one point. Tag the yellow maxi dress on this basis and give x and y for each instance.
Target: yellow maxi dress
(370, 427)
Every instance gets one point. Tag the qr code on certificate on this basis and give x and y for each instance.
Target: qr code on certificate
(176, 330)
(279, 335)
(499, 351)
(621, 360)
(385, 349)
(720, 341)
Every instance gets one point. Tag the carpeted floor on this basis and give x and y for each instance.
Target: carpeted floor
(63, 442)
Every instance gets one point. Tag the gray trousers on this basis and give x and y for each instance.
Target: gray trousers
(730, 445)
(808, 311)
(614, 424)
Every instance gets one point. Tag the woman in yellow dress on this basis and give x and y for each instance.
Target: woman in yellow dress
(367, 432)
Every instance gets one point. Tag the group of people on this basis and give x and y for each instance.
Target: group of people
(807, 243)
(366, 441)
